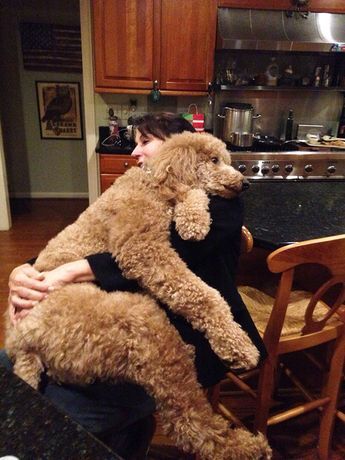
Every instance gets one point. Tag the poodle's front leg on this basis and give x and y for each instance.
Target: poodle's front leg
(159, 269)
(163, 364)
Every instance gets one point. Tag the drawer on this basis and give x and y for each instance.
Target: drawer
(116, 164)
(107, 180)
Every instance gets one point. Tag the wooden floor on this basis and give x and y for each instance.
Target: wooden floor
(35, 222)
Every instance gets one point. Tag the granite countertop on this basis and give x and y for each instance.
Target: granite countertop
(282, 212)
(31, 428)
(115, 149)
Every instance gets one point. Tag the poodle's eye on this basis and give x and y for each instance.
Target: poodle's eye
(215, 160)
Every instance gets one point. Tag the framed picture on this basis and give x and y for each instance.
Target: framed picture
(59, 110)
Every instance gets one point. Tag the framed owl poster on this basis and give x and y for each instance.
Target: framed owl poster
(59, 110)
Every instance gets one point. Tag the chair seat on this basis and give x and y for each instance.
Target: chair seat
(260, 306)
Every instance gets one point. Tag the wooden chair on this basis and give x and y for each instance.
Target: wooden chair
(298, 320)
(246, 240)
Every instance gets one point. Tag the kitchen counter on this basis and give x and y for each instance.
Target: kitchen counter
(281, 212)
(114, 149)
(31, 428)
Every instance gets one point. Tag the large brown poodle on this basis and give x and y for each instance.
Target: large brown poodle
(79, 333)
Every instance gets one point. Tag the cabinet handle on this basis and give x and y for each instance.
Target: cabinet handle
(155, 93)
(126, 164)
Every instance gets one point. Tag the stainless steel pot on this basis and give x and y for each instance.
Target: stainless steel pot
(238, 124)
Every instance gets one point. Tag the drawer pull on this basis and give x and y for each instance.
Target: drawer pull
(126, 164)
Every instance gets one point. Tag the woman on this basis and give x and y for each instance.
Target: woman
(104, 408)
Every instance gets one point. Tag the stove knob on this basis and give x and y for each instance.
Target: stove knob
(265, 169)
(275, 168)
(255, 169)
(331, 169)
(288, 168)
(308, 168)
(242, 168)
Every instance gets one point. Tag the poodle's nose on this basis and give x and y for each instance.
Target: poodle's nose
(245, 184)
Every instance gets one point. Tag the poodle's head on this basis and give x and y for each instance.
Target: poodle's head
(194, 160)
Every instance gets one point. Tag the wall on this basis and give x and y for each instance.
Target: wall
(5, 215)
(35, 167)
(321, 108)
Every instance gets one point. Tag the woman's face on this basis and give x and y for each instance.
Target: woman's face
(147, 147)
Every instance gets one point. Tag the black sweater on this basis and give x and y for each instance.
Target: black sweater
(215, 261)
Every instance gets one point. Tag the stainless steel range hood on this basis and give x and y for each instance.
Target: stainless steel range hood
(278, 30)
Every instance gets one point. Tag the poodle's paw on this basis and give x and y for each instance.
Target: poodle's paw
(243, 445)
(247, 357)
(236, 350)
(192, 217)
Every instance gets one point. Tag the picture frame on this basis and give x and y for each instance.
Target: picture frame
(59, 109)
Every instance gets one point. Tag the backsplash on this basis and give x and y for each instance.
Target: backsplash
(123, 109)
(309, 107)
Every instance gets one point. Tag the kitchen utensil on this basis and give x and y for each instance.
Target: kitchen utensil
(238, 124)
(304, 130)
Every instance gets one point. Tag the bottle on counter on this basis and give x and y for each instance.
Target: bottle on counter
(326, 78)
(317, 77)
(341, 129)
(113, 123)
(289, 126)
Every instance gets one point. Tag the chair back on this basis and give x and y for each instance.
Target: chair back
(328, 252)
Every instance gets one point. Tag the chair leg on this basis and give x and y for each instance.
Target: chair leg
(213, 396)
(265, 390)
(332, 390)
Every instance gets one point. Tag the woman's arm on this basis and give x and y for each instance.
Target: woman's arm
(27, 286)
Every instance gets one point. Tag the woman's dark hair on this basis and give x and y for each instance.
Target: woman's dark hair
(162, 125)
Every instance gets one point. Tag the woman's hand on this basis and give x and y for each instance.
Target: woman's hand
(26, 287)
(71, 272)
(29, 286)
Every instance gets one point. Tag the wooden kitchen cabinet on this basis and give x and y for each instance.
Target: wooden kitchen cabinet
(139, 41)
(319, 6)
(113, 166)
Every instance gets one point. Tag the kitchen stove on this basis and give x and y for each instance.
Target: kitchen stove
(293, 196)
(293, 165)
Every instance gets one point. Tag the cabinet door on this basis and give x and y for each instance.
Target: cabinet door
(187, 30)
(123, 44)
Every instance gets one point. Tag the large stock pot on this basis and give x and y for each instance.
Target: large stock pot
(238, 124)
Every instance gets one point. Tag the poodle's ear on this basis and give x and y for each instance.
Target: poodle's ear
(174, 168)
(192, 217)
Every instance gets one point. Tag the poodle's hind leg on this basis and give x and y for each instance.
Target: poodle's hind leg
(28, 367)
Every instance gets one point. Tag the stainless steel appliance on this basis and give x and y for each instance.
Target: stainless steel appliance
(294, 165)
(238, 124)
(293, 196)
(248, 29)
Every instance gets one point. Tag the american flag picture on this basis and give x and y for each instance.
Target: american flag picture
(50, 47)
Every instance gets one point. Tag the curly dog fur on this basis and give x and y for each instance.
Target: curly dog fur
(80, 333)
